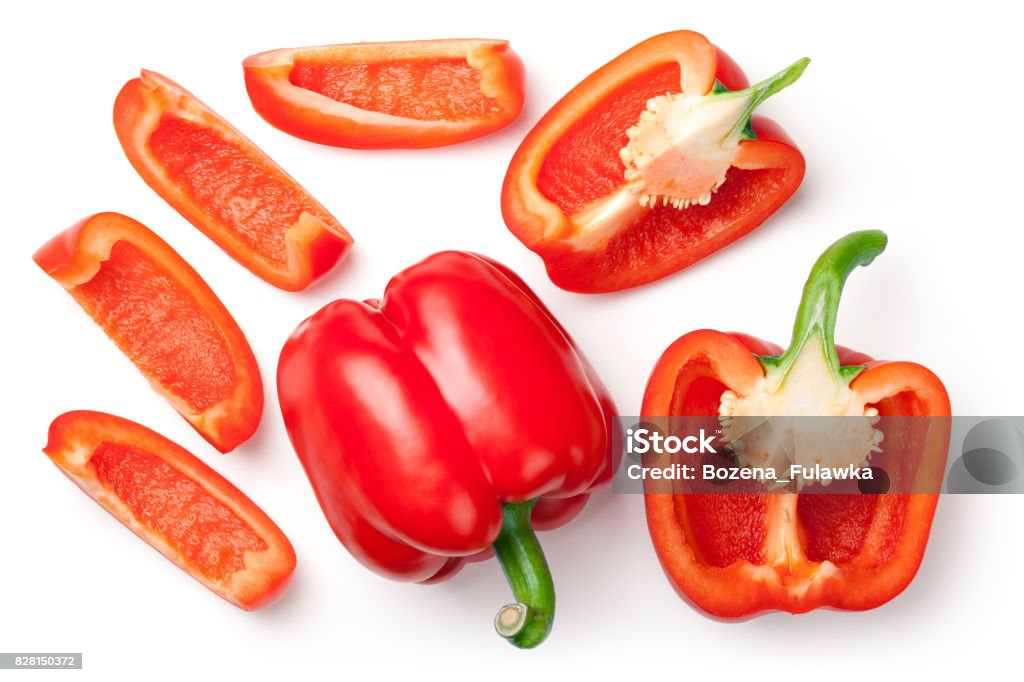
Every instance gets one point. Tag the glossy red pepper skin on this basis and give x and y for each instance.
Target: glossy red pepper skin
(417, 416)
(395, 95)
(570, 162)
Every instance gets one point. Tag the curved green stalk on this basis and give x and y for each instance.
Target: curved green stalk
(756, 95)
(527, 622)
(819, 304)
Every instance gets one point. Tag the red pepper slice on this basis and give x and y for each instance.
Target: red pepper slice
(649, 165)
(422, 93)
(165, 318)
(224, 185)
(451, 417)
(735, 555)
(181, 507)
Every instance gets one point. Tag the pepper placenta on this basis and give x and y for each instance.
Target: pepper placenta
(165, 318)
(423, 93)
(224, 185)
(450, 417)
(181, 507)
(738, 554)
(650, 164)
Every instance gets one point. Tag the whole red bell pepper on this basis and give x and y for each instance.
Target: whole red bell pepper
(412, 94)
(444, 420)
(178, 505)
(225, 185)
(650, 164)
(165, 318)
(737, 554)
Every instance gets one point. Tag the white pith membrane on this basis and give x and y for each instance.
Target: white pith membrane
(759, 428)
(681, 148)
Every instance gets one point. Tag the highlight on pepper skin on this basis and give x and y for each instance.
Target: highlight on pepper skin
(735, 555)
(650, 164)
(395, 95)
(177, 504)
(448, 420)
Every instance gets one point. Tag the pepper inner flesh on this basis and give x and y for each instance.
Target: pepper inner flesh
(421, 89)
(160, 327)
(177, 509)
(800, 536)
(258, 203)
(796, 529)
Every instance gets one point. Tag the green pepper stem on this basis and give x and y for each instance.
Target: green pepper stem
(526, 623)
(819, 304)
(759, 92)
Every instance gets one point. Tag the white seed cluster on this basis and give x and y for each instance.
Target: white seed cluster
(677, 202)
(727, 408)
(727, 404)
(633, 155)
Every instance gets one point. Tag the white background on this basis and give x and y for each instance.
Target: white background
(910, 122)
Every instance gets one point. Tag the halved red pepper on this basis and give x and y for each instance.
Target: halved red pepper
(165, 318)
(450, 417)
(650, 164)
(414, 94)
(735, 555)
(181, 507)
(224, 185)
